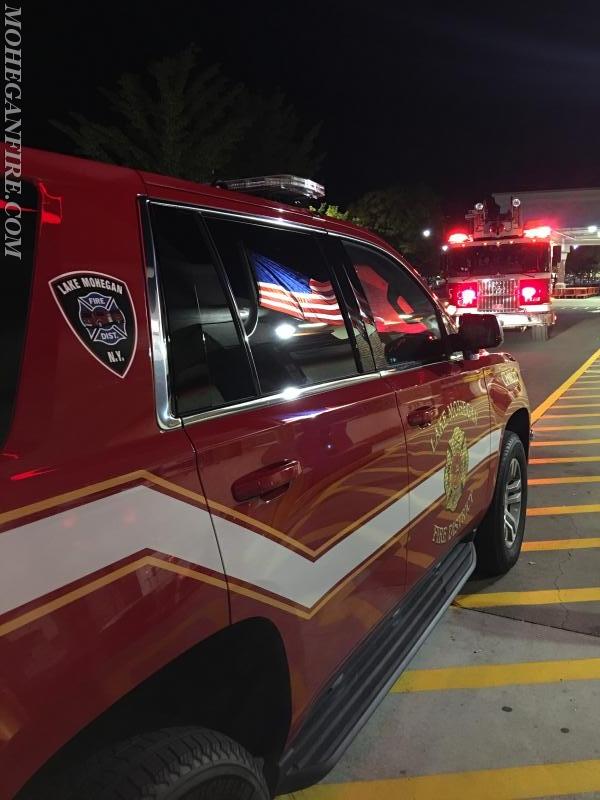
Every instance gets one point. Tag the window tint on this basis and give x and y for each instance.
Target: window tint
(208, 363)
(17, 276)
(405, 328)
(287, 302)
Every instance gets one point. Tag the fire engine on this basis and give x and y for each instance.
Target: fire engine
(500, 265)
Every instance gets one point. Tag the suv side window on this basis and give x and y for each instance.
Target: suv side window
(405, 329)
(287, 301)
(17, 277)
(209, 366)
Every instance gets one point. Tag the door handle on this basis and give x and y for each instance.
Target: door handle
(267, 482)
(422, 417)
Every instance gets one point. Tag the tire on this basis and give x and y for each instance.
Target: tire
(171, 764)
(540, 333)
(498, 540)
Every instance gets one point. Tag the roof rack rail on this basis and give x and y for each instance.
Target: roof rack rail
(283, 188)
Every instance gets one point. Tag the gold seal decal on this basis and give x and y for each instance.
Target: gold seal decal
(456, 469)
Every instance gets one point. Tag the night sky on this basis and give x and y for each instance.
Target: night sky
(467, 98)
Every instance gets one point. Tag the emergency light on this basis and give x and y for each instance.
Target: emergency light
(285, 188)
(458, 238)
(540, 232)
(464, 295)
(534, 291)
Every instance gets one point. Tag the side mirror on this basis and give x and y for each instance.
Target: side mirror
(480, 331)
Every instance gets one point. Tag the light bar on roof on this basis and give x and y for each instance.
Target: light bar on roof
(458, 237)
(278, 186)
(539, 232)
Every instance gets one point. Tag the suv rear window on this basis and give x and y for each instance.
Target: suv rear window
(209, 366)
(17, 277)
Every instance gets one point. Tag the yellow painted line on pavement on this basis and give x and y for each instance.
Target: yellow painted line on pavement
(563, 442)
(510, 783)
(550, 511)
(489, 675)
(561, 544)
(563, 460)
(552, 398)
(566, 427)
(539, 597)
(572, 416)
(558, 481)
(582, 396)
(576, 405)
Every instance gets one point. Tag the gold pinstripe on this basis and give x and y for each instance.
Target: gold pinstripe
(196, 573)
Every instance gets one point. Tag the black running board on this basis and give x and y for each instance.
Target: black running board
(367, 676)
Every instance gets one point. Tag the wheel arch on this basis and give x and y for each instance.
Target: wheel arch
(520, 423)
(235, 682)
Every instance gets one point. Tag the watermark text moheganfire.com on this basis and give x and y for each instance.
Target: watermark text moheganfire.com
(12, 131)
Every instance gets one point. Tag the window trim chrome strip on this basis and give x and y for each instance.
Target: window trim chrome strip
(280, 397)
(256, 218)
(158, 339)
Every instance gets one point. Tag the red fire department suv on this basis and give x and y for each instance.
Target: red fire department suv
(246, 462)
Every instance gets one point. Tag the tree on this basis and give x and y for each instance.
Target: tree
(176, 120)
(275, 141)
(400, 215)
(328, 210)
(191, 122)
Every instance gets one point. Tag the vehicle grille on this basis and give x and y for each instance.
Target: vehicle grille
(497, 294)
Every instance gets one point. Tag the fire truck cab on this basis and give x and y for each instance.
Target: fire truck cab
(501, 266)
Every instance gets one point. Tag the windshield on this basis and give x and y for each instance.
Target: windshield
(501, 259)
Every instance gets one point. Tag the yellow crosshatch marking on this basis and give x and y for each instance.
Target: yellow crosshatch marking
(575, 405)
(571, 416)
(566, 427)
(551, 399)
(541, 597)
(511, 783)
(561, 544)
(558, 481)
(564, 460)
(550, 511)
(582, 396)
(564, 442)
(489, 675)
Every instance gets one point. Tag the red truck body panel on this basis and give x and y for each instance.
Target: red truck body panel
(116, 561)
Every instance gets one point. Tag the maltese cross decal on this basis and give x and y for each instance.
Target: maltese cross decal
(99, 311)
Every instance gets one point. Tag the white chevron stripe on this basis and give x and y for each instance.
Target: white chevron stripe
(42, 556)
(278, 569)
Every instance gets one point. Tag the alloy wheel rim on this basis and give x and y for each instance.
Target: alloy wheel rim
(512, 503)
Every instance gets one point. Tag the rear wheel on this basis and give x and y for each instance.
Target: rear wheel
(500, 535)
(171, 764)
(540, 333)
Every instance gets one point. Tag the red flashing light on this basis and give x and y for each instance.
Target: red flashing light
(464, 295)
(540, 232)
(459, 237)
(534, 291)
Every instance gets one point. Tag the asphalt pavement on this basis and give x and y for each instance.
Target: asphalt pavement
(503, 700)
(574, 338)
